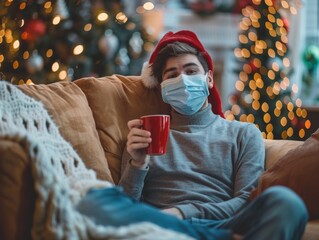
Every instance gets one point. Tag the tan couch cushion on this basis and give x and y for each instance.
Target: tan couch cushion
(298, 169)
(17, 192)
(114, 100)
(68, 106)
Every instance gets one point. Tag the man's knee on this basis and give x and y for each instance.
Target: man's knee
(285, 202)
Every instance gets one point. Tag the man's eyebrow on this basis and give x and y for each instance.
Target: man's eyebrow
(184, 66)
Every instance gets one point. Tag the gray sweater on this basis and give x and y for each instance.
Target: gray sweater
(209, 169)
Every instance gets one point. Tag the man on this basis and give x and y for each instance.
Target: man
(211, 164)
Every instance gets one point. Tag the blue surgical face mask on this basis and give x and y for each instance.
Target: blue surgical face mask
(185, 93)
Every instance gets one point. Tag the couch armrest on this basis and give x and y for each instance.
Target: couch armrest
(17, 195)
(275, 149)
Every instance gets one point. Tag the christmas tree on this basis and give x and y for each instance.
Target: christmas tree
(265, 95)
(44, 41)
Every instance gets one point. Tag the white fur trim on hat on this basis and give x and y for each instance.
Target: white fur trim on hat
(148, 78)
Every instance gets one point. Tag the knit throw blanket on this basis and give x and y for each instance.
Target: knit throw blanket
(60, 176)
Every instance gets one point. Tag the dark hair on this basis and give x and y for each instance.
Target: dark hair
(174, 49)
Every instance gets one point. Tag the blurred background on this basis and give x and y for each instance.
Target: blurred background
(265, 52)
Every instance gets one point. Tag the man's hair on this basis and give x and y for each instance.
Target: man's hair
(174, 49)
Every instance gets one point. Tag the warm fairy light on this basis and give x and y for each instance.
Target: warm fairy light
(271, 74)
(298, 112)
(272, 33)
(29, 82)
(256, 95)
(308, 124)
(250, 118)
(245, 53)
(277, 112)
(279, 104)
(23, 5)
(272, 10)
(255, 105)
(15, 64)
(294, 88)
(270, 135)
(243, 118)
(302, 133)
(239, 85)
(293, 10)
(243, 76)
(243, 39)
(87, 27)
(1, 58)
(291, 115)
(55, 66)
(269, 127)
(283, 121)
(252, 85)
(284, 4)
(260, 83)
(235, 109)
(56, 20)
(78, 49)
(286, 62)
(275, 66)
(255, 24)
(290, 132)
(298, 102)
(21, 82)
(148, 6)
(271, 53)
(252, 36)
(267, 118)
(268, 25)
(271, 18)
(284, 39)
(237, 52)
(304, 113)
(49, 53)
(246, 22)
(102, 17)
(276, 88)
(121, 17)
(47, 5)
(25, 55)
(62, 75)
(265, 107)
(269, 91)
(269, 2)
(284, 134)
(16, 44)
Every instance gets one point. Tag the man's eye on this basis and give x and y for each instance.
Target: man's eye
(191, 72)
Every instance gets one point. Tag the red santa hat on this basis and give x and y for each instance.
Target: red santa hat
(191, 39)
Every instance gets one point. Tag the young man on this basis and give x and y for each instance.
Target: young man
(211, 164)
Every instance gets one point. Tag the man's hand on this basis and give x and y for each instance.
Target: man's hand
(137, 142)
(174, 211)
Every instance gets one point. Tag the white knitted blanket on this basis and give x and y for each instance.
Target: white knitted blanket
(60, 176)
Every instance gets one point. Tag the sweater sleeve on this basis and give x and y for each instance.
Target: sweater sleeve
(132, 180)
(247, 168)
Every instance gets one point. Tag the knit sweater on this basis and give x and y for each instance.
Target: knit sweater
(210, 167)
(60, 176)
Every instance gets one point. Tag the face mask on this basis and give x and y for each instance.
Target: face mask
(185, 93)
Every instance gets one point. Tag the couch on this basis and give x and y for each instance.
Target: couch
(91, 114)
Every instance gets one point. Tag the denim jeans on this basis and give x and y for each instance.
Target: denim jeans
(278, 213)
(112, 207)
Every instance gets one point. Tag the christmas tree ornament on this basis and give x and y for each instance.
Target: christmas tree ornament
(61, 9)
(34, 29)
(136, 45)
(34, 63)
(108, 44)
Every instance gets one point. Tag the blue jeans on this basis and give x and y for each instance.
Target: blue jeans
(278, 213)
(112, 207)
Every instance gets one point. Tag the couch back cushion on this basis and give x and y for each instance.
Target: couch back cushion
(114, 101)
(68, 106)
(297, 169)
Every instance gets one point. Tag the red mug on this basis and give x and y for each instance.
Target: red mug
(159, 126)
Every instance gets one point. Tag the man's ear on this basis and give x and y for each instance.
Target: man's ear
(210, 79)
